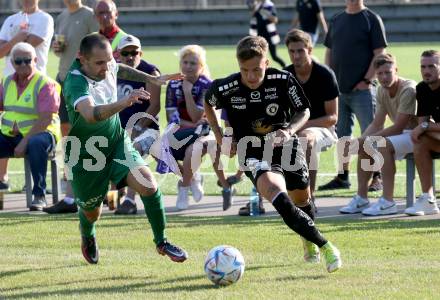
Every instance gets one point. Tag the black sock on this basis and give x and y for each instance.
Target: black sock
(377, 175)
(344, 176)
(297, 220)
(309, 210)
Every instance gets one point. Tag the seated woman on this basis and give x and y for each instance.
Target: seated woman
(184, 106)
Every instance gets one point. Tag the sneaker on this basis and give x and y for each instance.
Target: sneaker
(38, 203)
(375, 185)
(89, 249)
(173, 252)
(311, 252)
(332, 257)
(356, 205)
(245, 210)
(381, 207)
(227, 198)
(335, 183)
(425, 205)
(4, 186)
(126, 208)
(61, 208)
(182, 196)
(231, 180)
(197, 187)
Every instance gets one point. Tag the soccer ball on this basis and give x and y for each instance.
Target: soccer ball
(224, 265)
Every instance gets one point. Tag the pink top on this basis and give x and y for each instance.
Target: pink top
(48, 99)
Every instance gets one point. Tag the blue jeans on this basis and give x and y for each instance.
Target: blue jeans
(360, 103)
(39, 146)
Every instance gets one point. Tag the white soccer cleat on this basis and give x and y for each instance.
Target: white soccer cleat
(332, 257)
(356, 205)
(425, 205)
(197, 187)
(380, 208)
(182, 196)
(311, 252)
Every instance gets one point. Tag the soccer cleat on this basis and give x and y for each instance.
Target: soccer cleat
(311, 251)
(126, 208)
(89, 249)
(182, 196)
(380, 208)
(425, 205)
(356, 205)
(233, 179)
(4, 186)
(61, 208)
(197, 187)
(245, 210)
(334, 184)
(332, 257)
(173, 252)
(38, 203)
(227, 198)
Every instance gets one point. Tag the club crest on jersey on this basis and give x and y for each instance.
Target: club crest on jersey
(272, 109)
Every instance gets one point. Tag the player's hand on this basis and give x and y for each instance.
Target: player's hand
(162, 79)
(21, 36)
(361, 86)
(279, 137)
(187, 86)
(136, 96)
(57, 47)
(20, 150)
(416, 133)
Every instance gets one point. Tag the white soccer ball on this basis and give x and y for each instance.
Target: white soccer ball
(224, 265)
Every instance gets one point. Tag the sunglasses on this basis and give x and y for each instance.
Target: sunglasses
(20, 61)
(131, 53)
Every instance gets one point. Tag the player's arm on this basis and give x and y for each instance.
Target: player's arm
(330, 118)
(154, 107)
(6, 46)
(363, 84)
(399, 125)
(95, 113)
(34, 40)
(128, 73)
(211, 116)
(328, 55)
(321, 19)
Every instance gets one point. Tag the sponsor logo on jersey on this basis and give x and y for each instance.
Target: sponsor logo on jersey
(271, 89)
(230, 91)
(255, 95)
(272, 109)
(238, 100)
(272, 96)
(243, 106)
(212, 101)
(296, 99)
(227, 86)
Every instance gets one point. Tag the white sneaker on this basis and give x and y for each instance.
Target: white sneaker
(182, 196)
(197, 187)
(425, 205)
(381, 207)
(356, 205)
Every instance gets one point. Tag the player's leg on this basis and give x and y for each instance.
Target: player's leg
(143, 182)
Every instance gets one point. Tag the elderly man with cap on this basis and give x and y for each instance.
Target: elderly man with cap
(130, 53)
(30, 123)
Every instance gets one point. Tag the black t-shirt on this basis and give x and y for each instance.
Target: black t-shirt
(319, 88)
(352, 39)
(260, 111)
(428, 101)
(308, 14)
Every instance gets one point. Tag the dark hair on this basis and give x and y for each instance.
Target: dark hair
(250, 47)
(91, 41)
(430, 53)
(296, 35)
(383, 59)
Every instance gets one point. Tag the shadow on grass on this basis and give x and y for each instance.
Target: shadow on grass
(302, 277)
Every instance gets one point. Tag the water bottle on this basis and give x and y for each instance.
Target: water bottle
(254, 203)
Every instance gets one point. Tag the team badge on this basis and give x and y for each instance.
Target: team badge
(272, 109)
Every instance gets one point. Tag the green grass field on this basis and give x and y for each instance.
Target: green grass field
(221, 61)
(383, 259)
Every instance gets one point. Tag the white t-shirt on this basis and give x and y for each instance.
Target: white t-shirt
(40, 24)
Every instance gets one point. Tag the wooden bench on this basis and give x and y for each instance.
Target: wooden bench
(56, 184)
(410, 177)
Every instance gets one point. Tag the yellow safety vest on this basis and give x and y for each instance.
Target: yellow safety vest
(23, 110)
(117, 39)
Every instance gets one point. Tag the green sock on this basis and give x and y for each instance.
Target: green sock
(155, 212)
(87, 228)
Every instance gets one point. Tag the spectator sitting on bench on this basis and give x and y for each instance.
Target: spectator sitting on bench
(426, 136)
(30, 123)
(395, 99)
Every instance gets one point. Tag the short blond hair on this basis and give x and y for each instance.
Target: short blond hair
(250, 47)
(383, 59)
(198, 51)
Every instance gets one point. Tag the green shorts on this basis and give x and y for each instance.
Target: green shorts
(91, 187)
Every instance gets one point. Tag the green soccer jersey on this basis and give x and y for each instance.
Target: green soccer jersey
(78, 87)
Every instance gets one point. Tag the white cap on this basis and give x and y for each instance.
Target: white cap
(129, 40)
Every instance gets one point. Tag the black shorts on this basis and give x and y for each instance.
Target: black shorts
(291, 164)
(179, 154)
(62, 111)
